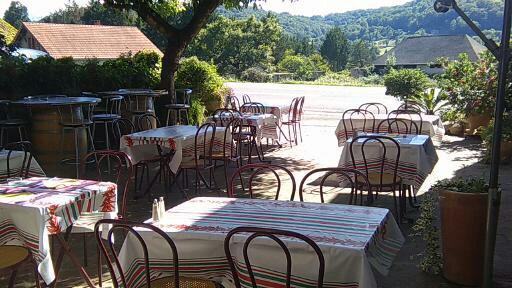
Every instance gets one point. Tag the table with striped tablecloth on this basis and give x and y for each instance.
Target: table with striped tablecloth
(34, 208)
(267, 125)
(431, 126)
(181, 138)
(275, 110)
(353, 239)
(15, 164)
(418, 157)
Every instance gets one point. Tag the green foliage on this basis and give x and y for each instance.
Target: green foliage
(237, 45)
(406, 83)
(336, 49)
(425, 227)
(255, 74)
(45, 75)
(303, 68)
(362, 54)
(452, 115)
(196, 113)
(8, 31)
(430, 101)
(471, 86)
(16, 13)
(203, 79)
(462, 185)
(506, 132)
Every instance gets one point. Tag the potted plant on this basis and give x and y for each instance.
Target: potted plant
(463, 207)
(430, 101)
(454, 121)
(506, 138)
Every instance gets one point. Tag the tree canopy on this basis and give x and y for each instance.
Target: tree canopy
(16, 13)
(336, 49)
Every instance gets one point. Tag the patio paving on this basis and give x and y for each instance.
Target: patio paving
(457, 157)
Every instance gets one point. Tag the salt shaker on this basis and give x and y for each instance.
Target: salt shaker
(155, 213)
(161, 207)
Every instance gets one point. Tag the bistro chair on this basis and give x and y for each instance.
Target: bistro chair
(344, 176)
(255, 172)
(203, 156)
(350, 115)
(7, 123)
(108, 112)
(246, 99)
(409, 115)
(182, 105)
(374, 107)
(232, 102)
(76, 117)
(400, 126)
(121, 127)
(380, 167)
(146, 121)
(253, 108)
(24, 147)
(229, 153)
(117, 273)
(291, 121)
(13, 257)
(299, 115)
(108, 165)
(224, 116)
(277, 236)
(410, 106)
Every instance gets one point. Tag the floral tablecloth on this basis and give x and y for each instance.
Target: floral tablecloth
(432, 126)
(34, 208)
(352, 238)
(15, 163)
(418, 157)
(181, 138)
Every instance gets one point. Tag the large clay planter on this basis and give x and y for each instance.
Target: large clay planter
(463, 218)
(478, 120)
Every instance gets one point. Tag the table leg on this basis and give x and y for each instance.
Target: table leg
(65, 249)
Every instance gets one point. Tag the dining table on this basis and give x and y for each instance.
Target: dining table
(266, 125)
(431, 125)
(276, 110)
(418, 157)
(32, 209)
(16, 161)
(355, 242)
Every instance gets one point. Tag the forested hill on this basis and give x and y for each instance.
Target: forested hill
(391, 23)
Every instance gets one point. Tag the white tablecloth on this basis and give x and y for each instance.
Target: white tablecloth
(352, 238)
(30, 212)
(432, 126)
(418, 157)
(15, 163)
(267, 125)
(143, 145)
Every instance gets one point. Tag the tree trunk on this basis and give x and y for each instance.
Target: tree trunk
(170, 63)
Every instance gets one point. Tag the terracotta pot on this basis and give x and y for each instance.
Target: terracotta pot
(463, 219)
(476, 120)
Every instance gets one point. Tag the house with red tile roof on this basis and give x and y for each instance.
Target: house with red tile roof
(83, 41)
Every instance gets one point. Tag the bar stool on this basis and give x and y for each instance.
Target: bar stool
(75, 117)
(109, 111)
(138, 101)
(182, 105)
(7, 123)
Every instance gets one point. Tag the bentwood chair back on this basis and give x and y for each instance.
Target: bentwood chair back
(24, 147)
(255, 171)
(400, 126)
(409, 115)
(224, 116)
(121, 127)
(147, 121)
(129, 228)
(233, 102)
(276, 236)
(253, 108)
(246, 98)
(348, 176)
(352, 115)
(374, 107)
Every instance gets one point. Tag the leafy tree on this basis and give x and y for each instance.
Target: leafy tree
(406, 83)
(362, 54)
(16, 13)
(336, 49)
(304, 68)
(71, 14)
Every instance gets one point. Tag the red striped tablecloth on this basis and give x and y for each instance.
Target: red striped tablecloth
(352, 238)
(15, 163)
(30, 212)
(418, 157)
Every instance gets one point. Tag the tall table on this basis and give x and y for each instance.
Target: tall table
(137, 101)
(352, 238)
(34, 208)
(46, 132)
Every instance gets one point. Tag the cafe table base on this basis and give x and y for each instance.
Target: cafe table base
(353, 239)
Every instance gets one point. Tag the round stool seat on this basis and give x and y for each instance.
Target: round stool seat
(177, 106)
(12, 122)
(12, 255)
(105, 117)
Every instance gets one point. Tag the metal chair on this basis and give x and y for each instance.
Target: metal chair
(291, 122)
(108, 112)
(407, 114)
(121, 127)
(8, 123)
(345, 175)
(381, 169)
(224, 116)
(148, 276)
(300, 113)
(361, 114)
(76, 117)
(255, 170)
(253, 108)
(13, 257)
(26, 148)
(399, 126)
(146, 121)
(276, 236)
(232, 102)
(229, 153)
(410, 106)
(182, 105)
(246, 99)
(203, 156)
(377, 107)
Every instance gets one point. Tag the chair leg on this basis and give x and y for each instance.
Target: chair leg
(186, 116)
(77, 152)
(167, 119)
(1, 136)
(85, 249)
(100, 268)
(20, 134)
(12, 279)
(300, 131)
(90, 138)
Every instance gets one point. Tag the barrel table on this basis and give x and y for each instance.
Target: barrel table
(46, 132)
(136, 101)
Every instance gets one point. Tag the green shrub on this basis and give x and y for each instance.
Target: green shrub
(298, 65)
(405, 83)
(255, 74)
(196, 112)
(203, 79)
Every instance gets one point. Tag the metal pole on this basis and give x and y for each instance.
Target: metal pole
(494, 196)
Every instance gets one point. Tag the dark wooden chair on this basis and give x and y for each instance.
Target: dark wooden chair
(360, 114)
(276, 236)
(257, 169)
(345, 175)
(117, 273)
(374, 107)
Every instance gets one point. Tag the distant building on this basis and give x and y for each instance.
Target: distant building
(83, 41)
(422, 52)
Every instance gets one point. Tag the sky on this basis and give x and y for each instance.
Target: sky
(40, 8)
